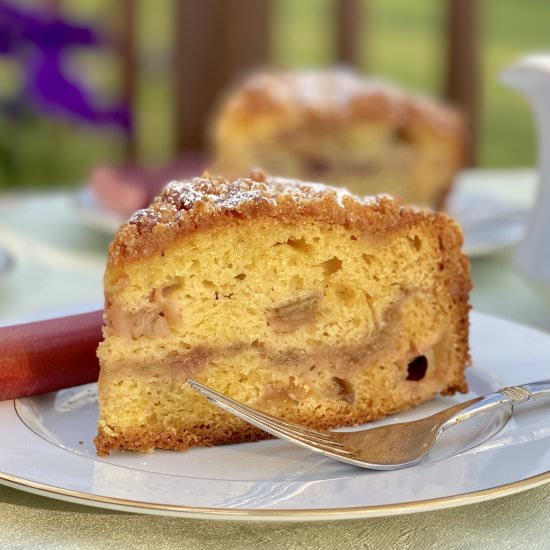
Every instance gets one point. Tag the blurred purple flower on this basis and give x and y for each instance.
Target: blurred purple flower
(42, 28)
(40, 40)
(49, 90)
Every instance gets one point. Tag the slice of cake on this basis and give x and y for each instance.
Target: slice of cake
(343, 129)
(295, 298)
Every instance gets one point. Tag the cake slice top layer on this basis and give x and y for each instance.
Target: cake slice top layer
(186, 207)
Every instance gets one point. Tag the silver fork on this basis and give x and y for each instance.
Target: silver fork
(392, 446)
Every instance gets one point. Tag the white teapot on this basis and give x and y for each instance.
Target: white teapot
(531, 77)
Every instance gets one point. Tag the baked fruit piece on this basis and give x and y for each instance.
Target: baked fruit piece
(295, 298)
(343, 129)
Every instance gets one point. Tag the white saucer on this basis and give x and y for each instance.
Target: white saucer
(492, 207)
(47, 449)
(94, 215)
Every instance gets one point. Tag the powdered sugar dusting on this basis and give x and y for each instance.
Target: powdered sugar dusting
(320, 89)
(314, 189)
(185, 195)
(145, 215)
(209, 194)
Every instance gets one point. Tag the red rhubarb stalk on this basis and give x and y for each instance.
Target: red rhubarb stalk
(49, 355)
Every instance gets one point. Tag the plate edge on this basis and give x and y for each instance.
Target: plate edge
(321, 514)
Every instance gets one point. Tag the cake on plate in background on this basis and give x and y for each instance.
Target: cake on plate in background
(343, 129)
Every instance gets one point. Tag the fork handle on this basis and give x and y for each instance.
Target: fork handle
(537, 389)
(504, 398)
(521, 394)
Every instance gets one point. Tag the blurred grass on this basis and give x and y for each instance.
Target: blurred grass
(402, 41)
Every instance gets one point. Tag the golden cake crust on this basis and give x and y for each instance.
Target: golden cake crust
(185, 207)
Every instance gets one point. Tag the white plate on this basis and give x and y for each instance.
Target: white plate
(47, 449)
(491, 206)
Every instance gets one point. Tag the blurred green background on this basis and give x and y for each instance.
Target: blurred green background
(405, 44)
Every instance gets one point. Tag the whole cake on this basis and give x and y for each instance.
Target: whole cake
(296, 298)
(340, 128)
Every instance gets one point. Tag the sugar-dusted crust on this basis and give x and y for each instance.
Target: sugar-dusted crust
(185, 207)
(335, 96)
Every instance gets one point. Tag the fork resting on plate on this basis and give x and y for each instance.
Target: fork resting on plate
(391, 446)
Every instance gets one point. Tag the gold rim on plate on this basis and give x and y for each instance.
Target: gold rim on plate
(358, 512)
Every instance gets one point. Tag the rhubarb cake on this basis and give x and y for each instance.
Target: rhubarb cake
(295, 298)
(343, 129)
